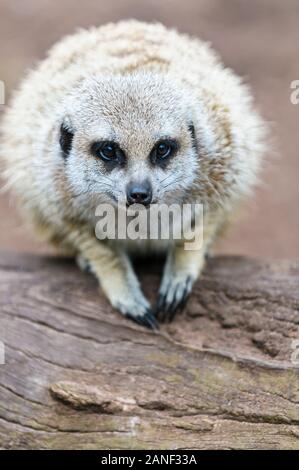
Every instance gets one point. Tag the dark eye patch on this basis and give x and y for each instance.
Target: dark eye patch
(109, 152)
(65, 140)
(162, 151)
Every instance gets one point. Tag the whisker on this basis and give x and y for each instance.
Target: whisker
(109, 186)
(172, 182)
(165, 178)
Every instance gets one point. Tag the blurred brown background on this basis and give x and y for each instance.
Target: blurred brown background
(259, 39)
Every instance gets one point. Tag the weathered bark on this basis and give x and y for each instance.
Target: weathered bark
(78, 375)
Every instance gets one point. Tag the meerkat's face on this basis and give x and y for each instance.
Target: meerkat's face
(129, 140)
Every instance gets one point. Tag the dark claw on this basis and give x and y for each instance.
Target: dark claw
(151, 320)
(148, 320)
(166, 311)
(87, 268)
(180, 304)
(160, 306)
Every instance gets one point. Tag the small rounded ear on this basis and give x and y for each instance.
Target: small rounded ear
(201, 132)
(191, 130)
(65, 139)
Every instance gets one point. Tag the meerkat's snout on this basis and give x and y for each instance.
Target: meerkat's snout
(139, 193)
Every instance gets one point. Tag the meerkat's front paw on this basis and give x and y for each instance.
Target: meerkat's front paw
(118, 281)
(138, 310)
(173, 295)
(83, 264)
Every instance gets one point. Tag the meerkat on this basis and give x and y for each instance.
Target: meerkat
(136, 112)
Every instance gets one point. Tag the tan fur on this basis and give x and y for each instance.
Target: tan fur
(136, 81)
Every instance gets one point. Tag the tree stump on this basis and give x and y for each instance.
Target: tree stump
(223, 375)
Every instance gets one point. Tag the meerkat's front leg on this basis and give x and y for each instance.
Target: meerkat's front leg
(115, 274)
(182, 269)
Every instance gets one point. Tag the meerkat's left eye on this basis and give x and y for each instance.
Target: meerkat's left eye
(163, 150)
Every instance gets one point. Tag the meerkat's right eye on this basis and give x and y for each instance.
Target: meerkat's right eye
(107, 151)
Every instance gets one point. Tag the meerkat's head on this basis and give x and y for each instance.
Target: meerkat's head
(130, 139)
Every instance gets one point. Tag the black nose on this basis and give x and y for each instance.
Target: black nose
(139, 193)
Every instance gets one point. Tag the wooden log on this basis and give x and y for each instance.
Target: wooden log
(224, 374)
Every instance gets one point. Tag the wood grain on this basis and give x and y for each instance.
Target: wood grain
(79, 376)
